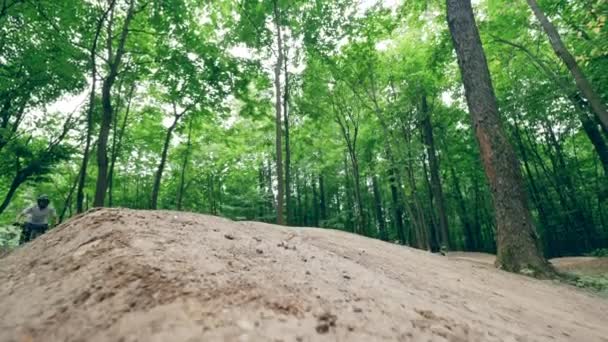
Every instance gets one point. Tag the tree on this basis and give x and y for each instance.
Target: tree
(39, 63)
(517, 241)
(436, 188)
(114, 63)
(278, 100)
(595, 101)
(89, 131)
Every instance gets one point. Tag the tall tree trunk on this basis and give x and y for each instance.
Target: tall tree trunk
(85, 155)
(434, 239)
(516, 238)
(348, 196)
(357, 189)
(137, 179)
(322, 202)
(106, 118)
(596, 138)
(182, 177)
(68, 200)
(477, 216)
(595, 101)
(351, 148)
(315, 202)
(269, 194)
(117, 146)
(397, 205)
(306, 209)
(299, 210)
(437, 190)
(211, 193)
(262, 191)
(288, 203)
(278, 99)
(414, 207)
(378, 207)
(17, 181)
(161, 166)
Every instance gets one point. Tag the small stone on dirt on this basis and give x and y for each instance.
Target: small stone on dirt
(285, 245)
(245, 325)
(325, 322)
(259, 251)
(229, 237)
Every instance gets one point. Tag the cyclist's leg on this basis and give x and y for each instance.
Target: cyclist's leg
(26, 232)
(38, 230)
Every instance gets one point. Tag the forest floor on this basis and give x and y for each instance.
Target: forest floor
(580, 265)
(127, 275)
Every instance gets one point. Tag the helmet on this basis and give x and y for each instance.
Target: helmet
(43, 201)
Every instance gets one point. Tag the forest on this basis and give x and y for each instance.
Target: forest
(443, 125)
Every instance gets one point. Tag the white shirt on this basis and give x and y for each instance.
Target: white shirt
(39, 216)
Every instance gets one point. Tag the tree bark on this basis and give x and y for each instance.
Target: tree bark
(117, 146)
(300, 207)
(595, 101)
(420, 233)
(163, 160)
(262, 191)
(516, 238)
(68, 201)
(279, 133)
(288, 203)
(322, 201)
(434, 238)
(315, 202)
(345, 119)
(437, 189)
(19, 178)
(182, 178)
(85, 155)
(378, 207)
(106, 118)
(348, 197)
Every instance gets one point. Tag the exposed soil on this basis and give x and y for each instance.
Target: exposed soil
(126, 275)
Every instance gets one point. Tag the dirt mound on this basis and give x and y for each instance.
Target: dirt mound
(125, 275)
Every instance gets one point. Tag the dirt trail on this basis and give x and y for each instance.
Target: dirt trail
(126, 275)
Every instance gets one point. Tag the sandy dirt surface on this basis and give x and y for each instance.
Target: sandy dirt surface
(126, 275)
